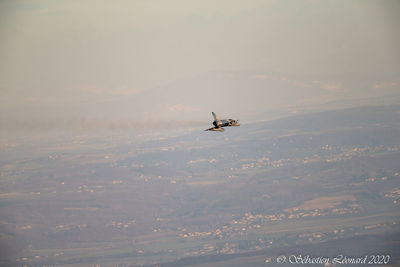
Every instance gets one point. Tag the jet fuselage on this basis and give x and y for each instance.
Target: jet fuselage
(218, 124)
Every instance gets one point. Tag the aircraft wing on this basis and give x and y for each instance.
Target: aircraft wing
(218, 129)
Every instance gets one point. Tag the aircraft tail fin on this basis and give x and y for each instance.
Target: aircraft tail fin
(215, 116)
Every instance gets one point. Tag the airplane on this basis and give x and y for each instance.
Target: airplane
(218, 124)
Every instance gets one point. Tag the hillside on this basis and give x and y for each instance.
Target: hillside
(196, 197)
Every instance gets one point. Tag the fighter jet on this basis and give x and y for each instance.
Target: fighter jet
(218, 124)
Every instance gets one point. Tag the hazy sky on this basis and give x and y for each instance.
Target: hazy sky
(78, 52)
